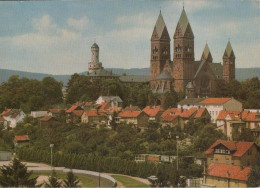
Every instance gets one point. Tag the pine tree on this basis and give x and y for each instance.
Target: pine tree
(16, 175)
(71, 180)
(53, 180)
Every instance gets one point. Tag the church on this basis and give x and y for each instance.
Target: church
(183, 73)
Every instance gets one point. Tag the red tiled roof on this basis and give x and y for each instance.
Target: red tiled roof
(129, 114)
(172, 111)
(170, 117)
(21, 138)
(114, 109)
(229, 171)
(188, 113)
(10, 112)
(94, 113)
(46, 118)
(200, 113)
(234, 115)
(152, 110)
(251, 116)
(78, 112)
(240, 148)
(87, 104)
(104, 106)
(55, 110)
(2, 119)
(215, 101)
(74, 107)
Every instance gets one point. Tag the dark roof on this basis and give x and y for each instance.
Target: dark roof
(135, 78)
(165, 75)
(192, 101)
(102, 73)
(206, 55)
(94, 45)
(215, 67)
(229, 50)
(183, 22)
(160, 26)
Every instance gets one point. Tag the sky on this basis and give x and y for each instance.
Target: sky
(56, 36)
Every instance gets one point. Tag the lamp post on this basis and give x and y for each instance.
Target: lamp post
(177, 137)
(51, 146)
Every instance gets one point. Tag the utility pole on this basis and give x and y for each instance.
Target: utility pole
(51, 146)
(177, 137)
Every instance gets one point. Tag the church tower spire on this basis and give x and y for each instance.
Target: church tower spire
(183, 50)
(229, 64)
(206, 55)
(160, 47)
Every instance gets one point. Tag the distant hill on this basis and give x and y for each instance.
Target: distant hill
(241, 74)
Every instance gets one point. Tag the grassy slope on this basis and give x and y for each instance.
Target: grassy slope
(128, 182)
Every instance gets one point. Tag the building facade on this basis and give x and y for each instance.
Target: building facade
(186, 75)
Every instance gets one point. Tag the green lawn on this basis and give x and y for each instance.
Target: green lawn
(87, 180)
(128, 182)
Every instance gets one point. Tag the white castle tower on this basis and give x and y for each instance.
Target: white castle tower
(94, 64)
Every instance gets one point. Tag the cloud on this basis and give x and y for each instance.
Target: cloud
(79, 24)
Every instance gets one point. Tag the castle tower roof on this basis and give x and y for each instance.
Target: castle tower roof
(183, 22)
(229, 50)
(160, 26)
(206, 55)
(94, 45)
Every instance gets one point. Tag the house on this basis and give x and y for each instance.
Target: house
(74, 113)
(228, 120)
(93, 117)
(38, 114)
(252, 121)
(5, 155)
(114, 101)
(229, 163)
(13, 116)
(215, 105)
(137, 118)
(48, 121)
(154, 112)
(188, 103)
(55, 112)
(21, 140)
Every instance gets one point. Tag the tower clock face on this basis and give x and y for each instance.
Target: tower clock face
(204, 81)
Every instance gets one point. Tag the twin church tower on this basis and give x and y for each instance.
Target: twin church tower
(184, 74)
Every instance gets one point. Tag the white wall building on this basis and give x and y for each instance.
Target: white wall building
(38, 114)
(13, 116)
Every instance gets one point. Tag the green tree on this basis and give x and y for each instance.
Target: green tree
(254, 176)
(71, 180)
(53, 180)
(16, 175)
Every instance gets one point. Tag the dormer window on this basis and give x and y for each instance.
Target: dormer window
(222, 151)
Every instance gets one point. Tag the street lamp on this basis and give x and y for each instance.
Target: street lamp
(51, 146)
(177, 137)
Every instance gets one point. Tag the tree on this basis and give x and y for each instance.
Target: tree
(254, 176)
(71, 180)
(16, 175)
(53, 180)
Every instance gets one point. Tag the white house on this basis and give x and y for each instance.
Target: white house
(215, 105)
(115, 101)
(38, 114)
(190, 103)
(13, 116)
